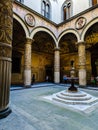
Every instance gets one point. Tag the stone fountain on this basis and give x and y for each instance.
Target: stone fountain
(72, 88)
(72, 97)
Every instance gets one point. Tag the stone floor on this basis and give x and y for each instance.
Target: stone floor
(30, 112)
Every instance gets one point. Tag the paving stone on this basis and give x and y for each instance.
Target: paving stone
(29, 112)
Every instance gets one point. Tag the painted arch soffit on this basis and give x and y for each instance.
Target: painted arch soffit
(86, 28)
(23, 24)
(43, 42)
(91, 37)
(67, 43)
(72, 31)
(44, 29)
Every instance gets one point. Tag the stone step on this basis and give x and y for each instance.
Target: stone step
(90, 102)
(74, 94)
(74, 98)
(84, 98)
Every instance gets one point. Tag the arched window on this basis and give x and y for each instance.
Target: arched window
(47, 11)
(46, 8)
(67, 10)
(21, 1)
(92, 2)
(43, 8)
(64, 12)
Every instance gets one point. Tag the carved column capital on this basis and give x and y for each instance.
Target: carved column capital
(80, 43)
(5, 51)
(29, 41)
(6, 21)
(5, 29)
(57, 49)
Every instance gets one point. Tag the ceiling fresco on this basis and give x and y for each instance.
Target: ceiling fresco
(68, 43)
(91, 37)
(43, 42)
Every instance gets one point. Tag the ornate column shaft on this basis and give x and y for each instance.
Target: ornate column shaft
(6, 18)
(27, 64)
(82, 64)
(57, 65)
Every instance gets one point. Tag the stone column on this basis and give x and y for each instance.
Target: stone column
(57, 65)
(82, 64)
(6, 21)
(27, 63)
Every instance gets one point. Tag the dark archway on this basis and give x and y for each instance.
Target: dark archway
(68, 53)
(19, 39)
(43, 56)
(91, 39)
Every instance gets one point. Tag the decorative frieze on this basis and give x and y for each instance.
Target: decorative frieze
(5, 51)
(6, 22)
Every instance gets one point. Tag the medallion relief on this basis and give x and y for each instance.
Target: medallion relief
(80, 23)
(29, 19)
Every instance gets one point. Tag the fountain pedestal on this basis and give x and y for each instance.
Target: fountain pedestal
(72, 88)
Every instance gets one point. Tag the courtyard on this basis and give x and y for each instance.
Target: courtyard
(31, 112)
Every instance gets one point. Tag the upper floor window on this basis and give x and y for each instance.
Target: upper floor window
(21, 1)
(67, 10)
(92, 2)
(46, 9)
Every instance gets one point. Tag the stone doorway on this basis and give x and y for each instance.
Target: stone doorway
(49, 73)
